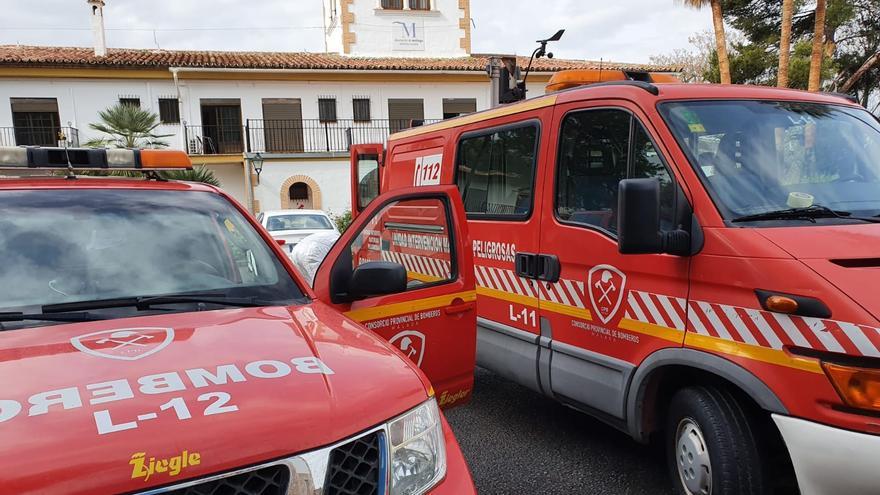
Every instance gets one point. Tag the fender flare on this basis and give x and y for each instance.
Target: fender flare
(730, 371)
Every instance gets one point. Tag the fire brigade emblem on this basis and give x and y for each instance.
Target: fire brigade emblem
(412, 344)
(606, 284)
(127, 344)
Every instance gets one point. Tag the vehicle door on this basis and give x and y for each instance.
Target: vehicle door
(404, 270)
(497, 172)
(607, 310)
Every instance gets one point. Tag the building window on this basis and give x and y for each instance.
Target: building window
(403, 111)
(130, 100)
(35, 121)
(327, 109)
(453, 107)
(496, 172)
(299, 191)
(392, 4)
(361, 109)
(420, 4)
(169, 111)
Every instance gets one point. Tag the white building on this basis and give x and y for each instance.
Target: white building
(389, 62)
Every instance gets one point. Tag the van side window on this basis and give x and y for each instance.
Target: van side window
(495, 172)
(598, 149)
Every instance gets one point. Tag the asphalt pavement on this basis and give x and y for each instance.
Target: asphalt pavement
(519, 442)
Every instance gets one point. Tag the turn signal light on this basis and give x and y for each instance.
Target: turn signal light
(858, 387)
(782, 304)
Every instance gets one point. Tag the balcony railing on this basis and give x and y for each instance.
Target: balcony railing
(39, 136)
(290, 136)
(314, 136)
(213, 139)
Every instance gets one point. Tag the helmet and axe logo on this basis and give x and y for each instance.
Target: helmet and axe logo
(127, 344)
(606, 284)
(412, 344)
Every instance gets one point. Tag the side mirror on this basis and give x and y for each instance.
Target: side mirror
(638, 221)
(377, 278)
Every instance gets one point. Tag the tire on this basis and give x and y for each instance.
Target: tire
(710, 423)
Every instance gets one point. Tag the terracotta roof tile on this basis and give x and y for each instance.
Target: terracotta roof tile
(64, 56)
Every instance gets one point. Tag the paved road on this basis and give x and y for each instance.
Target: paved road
(519, 442)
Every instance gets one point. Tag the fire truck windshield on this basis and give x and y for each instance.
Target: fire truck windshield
(75, 247)
(760, 158)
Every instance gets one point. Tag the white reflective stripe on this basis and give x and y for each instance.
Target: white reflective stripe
(695, 321)
(652, 308)
(547, 290)
(479, 276)
(764, 328)
(791, 330)
(576, 297)
(487, 282)
(527, 287)
(499, 284)
(825, 336)
(738, 324)
(671, 312)
(636, 309)
(580, 290)
(514, 283)
(710, 315)
(859, 339)
(682, 302)
(563, 296)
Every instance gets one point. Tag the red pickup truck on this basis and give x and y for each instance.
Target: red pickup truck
(153, 338)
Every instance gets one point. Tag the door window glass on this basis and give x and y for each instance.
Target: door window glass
(414, 233)
(368, 179)
(496, 172)
(598, 149)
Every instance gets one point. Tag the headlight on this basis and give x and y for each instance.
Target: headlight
(418, 450)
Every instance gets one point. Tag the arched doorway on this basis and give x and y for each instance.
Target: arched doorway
(299, 196)
(300, 191)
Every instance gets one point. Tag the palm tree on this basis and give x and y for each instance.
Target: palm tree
(785, 43)
(127, 126)
(818, 47)
(720, 38)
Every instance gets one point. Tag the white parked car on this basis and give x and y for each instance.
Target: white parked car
(293, 226)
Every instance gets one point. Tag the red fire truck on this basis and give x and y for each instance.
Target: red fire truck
(695, 264)
(155, 339)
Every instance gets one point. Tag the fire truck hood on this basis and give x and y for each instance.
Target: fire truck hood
(84, 407)
(847, 256)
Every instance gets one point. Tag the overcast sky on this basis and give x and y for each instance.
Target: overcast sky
(622, 30)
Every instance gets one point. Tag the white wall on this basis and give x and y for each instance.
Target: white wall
(332, 177)
(373, 28)
(231, 176)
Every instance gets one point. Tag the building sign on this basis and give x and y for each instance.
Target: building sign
(408, 36)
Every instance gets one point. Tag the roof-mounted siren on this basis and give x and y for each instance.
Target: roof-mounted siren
(581, 77)
(511, 88)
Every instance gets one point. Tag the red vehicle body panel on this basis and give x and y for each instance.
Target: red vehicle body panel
(706, 302)
(226, 389)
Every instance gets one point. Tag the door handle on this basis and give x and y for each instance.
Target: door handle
(548, 268)
(525, 264)
(462, 307)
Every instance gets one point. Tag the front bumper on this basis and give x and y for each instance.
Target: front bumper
(831, 461)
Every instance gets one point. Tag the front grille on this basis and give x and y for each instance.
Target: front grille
(271, 480)
(355, 467)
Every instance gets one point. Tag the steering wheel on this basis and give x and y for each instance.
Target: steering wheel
(198, 266)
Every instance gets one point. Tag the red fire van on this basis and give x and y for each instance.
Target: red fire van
(695, 264)
(155, 339)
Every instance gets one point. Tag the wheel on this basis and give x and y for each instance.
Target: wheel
(712, 448)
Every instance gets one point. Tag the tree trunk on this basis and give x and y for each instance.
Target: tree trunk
(785, 43)
(818, 47)
(720, 42)
(873, 61)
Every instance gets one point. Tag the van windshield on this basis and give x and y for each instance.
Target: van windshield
(95, 249)
(759, 158)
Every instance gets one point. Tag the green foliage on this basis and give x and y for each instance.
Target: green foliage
(127, 126)
(342, 221)
(198, 174)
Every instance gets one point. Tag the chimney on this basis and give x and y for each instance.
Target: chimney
(97, 7)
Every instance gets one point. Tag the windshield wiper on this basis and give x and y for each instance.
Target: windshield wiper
(146, 302)
(809, 213)
(63, 317)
